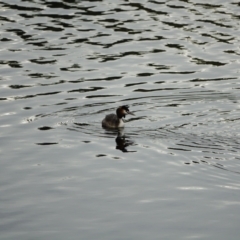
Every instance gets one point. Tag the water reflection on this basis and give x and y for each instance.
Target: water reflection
(123, 141)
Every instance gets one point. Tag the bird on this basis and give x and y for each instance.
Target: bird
(115, 120)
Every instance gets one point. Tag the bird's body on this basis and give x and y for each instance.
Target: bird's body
(115, 120)
(112, 121)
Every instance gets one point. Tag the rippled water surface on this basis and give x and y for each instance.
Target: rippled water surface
(173, 172)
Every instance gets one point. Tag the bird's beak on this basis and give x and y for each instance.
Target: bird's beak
(131, 113)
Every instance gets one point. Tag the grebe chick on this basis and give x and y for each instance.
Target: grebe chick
(115, 120)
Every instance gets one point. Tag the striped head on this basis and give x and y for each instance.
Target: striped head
(122, 111)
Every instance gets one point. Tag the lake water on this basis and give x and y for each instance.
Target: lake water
(173, 172)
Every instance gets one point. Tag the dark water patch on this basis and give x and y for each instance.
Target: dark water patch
(2, 18)
(178, 149)
(157, 2)
(43, 115)
(173, 105)
(54, 49)
(73, 68)
(159, 67)
(195, 162)
(232, 120)
(218, 39)
(236, 3)
(110, 20)
(70, 99)
(53, 83)
(152, 39)
(68, 109)
(101, 155)
(144, 74)
(118, 28)
(42, 60)
(175, 6)
(42, 75)
(20, 33)
(95, 43)
(61, 103)
(5, 39)
(19, 86)
(44, 27)
(35, 95)
(205, 62)
(14, 50)
(79, 40)
(157, 51)
(133, 84)
(137, 53)
(184, 72)
(101, 35)
(46, 143)
(39, 44)
(97, 79)
(209, 80)
(158, 89)
(187, 114)
(236, 16)
(21, 8)
(94, 13)
(174, 24)
(214, 23)
(117, 42)
(82, 124)
(64, 25)
(159, 82)
(11, 63)
(208, 5)
(86, 90)
(45, 128)
(100, 96)
(53, 16)
(177, 46)
(232, 52)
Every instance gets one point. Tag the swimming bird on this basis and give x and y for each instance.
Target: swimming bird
(115, 120)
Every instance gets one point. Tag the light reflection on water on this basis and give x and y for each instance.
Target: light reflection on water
(173, 172)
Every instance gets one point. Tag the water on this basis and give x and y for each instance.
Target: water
(172, 173)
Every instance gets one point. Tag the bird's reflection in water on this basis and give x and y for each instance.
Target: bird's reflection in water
(123, 142)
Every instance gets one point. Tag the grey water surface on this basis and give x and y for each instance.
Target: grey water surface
(173, 172)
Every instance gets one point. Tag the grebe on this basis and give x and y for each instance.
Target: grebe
(115, 120)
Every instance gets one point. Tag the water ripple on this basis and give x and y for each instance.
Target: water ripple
(66, 64)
